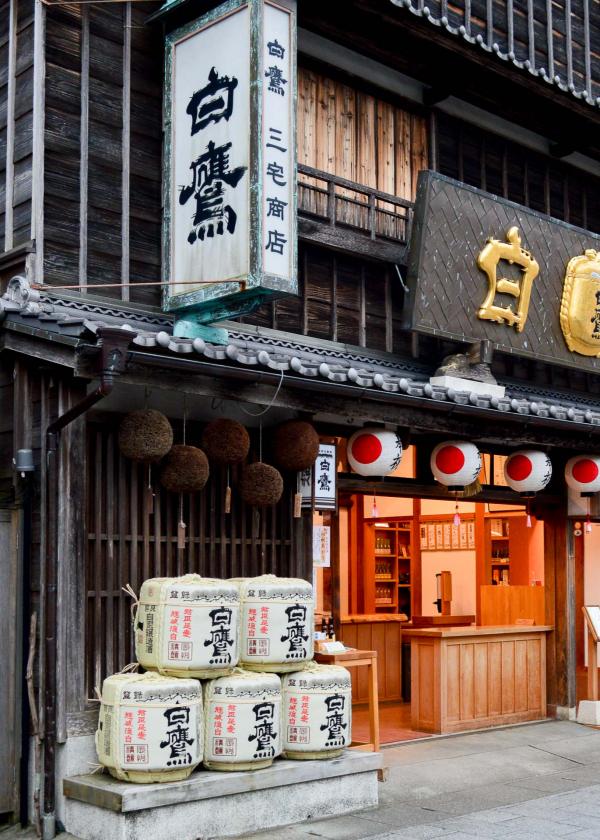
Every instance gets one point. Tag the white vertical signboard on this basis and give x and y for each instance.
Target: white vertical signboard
(229, 229)
(211, 153)
(278, 161)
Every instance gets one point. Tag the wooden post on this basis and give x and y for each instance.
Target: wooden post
(559, 575)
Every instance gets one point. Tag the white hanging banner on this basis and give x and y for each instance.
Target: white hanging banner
(321, 545)
(210, 187)
(320, 479)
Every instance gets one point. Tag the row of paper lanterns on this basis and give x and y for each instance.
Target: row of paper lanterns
(456, 464)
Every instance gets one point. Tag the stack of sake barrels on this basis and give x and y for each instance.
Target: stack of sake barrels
(250, 642)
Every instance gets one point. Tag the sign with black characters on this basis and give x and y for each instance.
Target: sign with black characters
(230, 159)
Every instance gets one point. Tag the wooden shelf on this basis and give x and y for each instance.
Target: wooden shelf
(388, 559)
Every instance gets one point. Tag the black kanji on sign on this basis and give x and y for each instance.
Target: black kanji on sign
(275, 49)
(324, 482)
(264, 732)
(275, 242)
(275, 138)
(275, 171)
(210, 172)
(220, 636)
(178, 736)
(296, 633)
(212, 103)
(334, 724)
(276, 80)
(275, 208)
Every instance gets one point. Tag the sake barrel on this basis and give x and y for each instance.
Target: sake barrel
(242, 721)
(276, 626)
(188, 626)
(150, 727)
(317, 712)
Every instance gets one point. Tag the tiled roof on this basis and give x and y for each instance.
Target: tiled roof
(495, 35)
(294, 356)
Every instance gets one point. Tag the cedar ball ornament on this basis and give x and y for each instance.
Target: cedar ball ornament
(295, 445)
(261, 485)
(226, 441)
(184, 470)
(145, 435)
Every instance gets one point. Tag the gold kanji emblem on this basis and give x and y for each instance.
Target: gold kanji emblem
(580, 305)
(494, 251)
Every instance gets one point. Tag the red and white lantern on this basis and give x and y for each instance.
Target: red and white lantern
(455, 464)
(528, 471)
(374, 452)
(583, 473)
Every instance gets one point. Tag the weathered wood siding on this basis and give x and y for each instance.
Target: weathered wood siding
(128, 542)
(102, 161)
(358, 136)
(342, 299)
(494, 164)
(16, 121)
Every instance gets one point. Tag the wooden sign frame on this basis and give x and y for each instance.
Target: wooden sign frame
(237, 260)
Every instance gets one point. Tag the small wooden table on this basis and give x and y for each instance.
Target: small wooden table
(354, 659)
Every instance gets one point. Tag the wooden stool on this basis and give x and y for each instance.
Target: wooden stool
(354, 659)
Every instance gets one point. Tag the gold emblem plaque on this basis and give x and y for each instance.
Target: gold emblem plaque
(580, 305)
(494, 251)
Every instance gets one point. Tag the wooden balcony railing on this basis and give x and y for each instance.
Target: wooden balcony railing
(351, 216)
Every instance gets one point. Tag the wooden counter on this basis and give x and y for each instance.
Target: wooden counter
(382, 634)
(472, 677)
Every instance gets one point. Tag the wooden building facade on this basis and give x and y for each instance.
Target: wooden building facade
(381, 97)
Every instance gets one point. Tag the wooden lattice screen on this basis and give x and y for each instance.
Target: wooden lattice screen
(127, 543)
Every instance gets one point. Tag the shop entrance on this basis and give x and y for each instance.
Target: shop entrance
(391, 596)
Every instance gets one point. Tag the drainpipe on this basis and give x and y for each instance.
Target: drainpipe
(114, 342)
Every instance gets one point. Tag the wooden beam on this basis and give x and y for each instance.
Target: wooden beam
(126, 152)
(10, 126)
(351, 242)
(84, 145)
(39, 121)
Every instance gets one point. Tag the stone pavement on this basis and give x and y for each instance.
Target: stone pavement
(523, 783)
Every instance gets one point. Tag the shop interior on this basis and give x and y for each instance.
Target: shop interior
(405, 562)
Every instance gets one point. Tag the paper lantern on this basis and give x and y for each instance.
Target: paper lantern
(374, 451)
(295, 445)
(184, 470)
(261, 485)
(145, 435)
(528, 471)
(225, 441)
(583, 473)
(455, 464)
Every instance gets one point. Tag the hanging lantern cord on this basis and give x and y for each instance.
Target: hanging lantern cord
(456, 511)
(182, 526)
